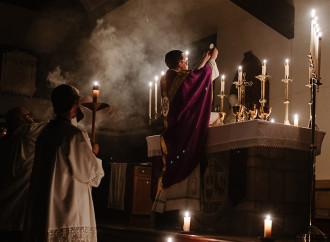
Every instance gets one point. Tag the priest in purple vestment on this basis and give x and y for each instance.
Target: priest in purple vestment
(186, 104)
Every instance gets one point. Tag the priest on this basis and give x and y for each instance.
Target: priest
(186, 106)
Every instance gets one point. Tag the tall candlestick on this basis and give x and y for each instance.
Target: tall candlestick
(150, 93)
(264, 67)
(268, 227)
(286, 68)
(96, 91)
(186, 222)
(156, 82)
(222, 87)
(240, 74)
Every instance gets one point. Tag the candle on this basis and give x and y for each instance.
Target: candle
(264, 67)
(286, 68)
(240, 74)
(268, 227)
(150, 93)
(319, 57)
(186, 222)
(312, 31)
(96, 91)
(295, 120)
(187, 53)
(222, 87)
(156, 80)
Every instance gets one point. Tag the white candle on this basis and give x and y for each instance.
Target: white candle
(186, 222)
(187, 53)
(295, 120)
(240, 74)
(150, 93)
(319, 57)
(264, 67)
(222, 87)
(286, 68)
(268, 227)
(156, 82)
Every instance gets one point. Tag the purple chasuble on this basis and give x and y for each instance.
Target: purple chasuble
(186, 124)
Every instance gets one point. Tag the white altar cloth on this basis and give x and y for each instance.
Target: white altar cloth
(253, 133)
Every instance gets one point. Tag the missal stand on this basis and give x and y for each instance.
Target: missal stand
(313, 233)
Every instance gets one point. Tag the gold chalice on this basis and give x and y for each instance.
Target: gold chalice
(265, 112)
(237, 111)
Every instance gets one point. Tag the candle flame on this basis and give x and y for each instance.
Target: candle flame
(150, 84)
(240, 68)
(186, 214)
(187, 52)
(296, 116)
(287, 61)
(156, 78)
(272, 120)
(169, 239)
(96, 83)
(268, 217)
(265, 61)
(222, 77)
(162, 73)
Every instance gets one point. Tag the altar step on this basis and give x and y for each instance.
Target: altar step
(115, 233)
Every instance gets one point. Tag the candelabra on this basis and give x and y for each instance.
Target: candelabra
(286, 102)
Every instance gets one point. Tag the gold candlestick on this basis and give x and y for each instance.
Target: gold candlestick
(263, 79)
(222, 114)
(286, 101)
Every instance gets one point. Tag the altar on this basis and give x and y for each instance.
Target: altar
(254, 168)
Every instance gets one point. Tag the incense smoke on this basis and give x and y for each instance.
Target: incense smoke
(124, 53)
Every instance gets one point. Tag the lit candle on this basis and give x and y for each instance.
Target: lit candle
(268, 227)
(295, 120)
(150, 93)
(187, 53)
(186, 222)
(156, 82)
(169, 239)
(96, 91)
(264, 67)
(312, 32)
(162, 73)
(222, 87)
(286, 68)
(240, 74)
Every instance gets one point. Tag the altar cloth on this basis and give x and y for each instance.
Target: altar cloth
(253, 133)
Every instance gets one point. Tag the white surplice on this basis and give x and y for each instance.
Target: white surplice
(69, 206)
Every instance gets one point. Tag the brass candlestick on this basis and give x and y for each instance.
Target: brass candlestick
(240, 86)
(263, 79)
(222, 114)
(286, 101)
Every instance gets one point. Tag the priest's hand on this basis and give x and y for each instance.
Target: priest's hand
(95, 148)
(214, 53)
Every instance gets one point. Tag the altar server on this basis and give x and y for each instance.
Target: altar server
(60, 206)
